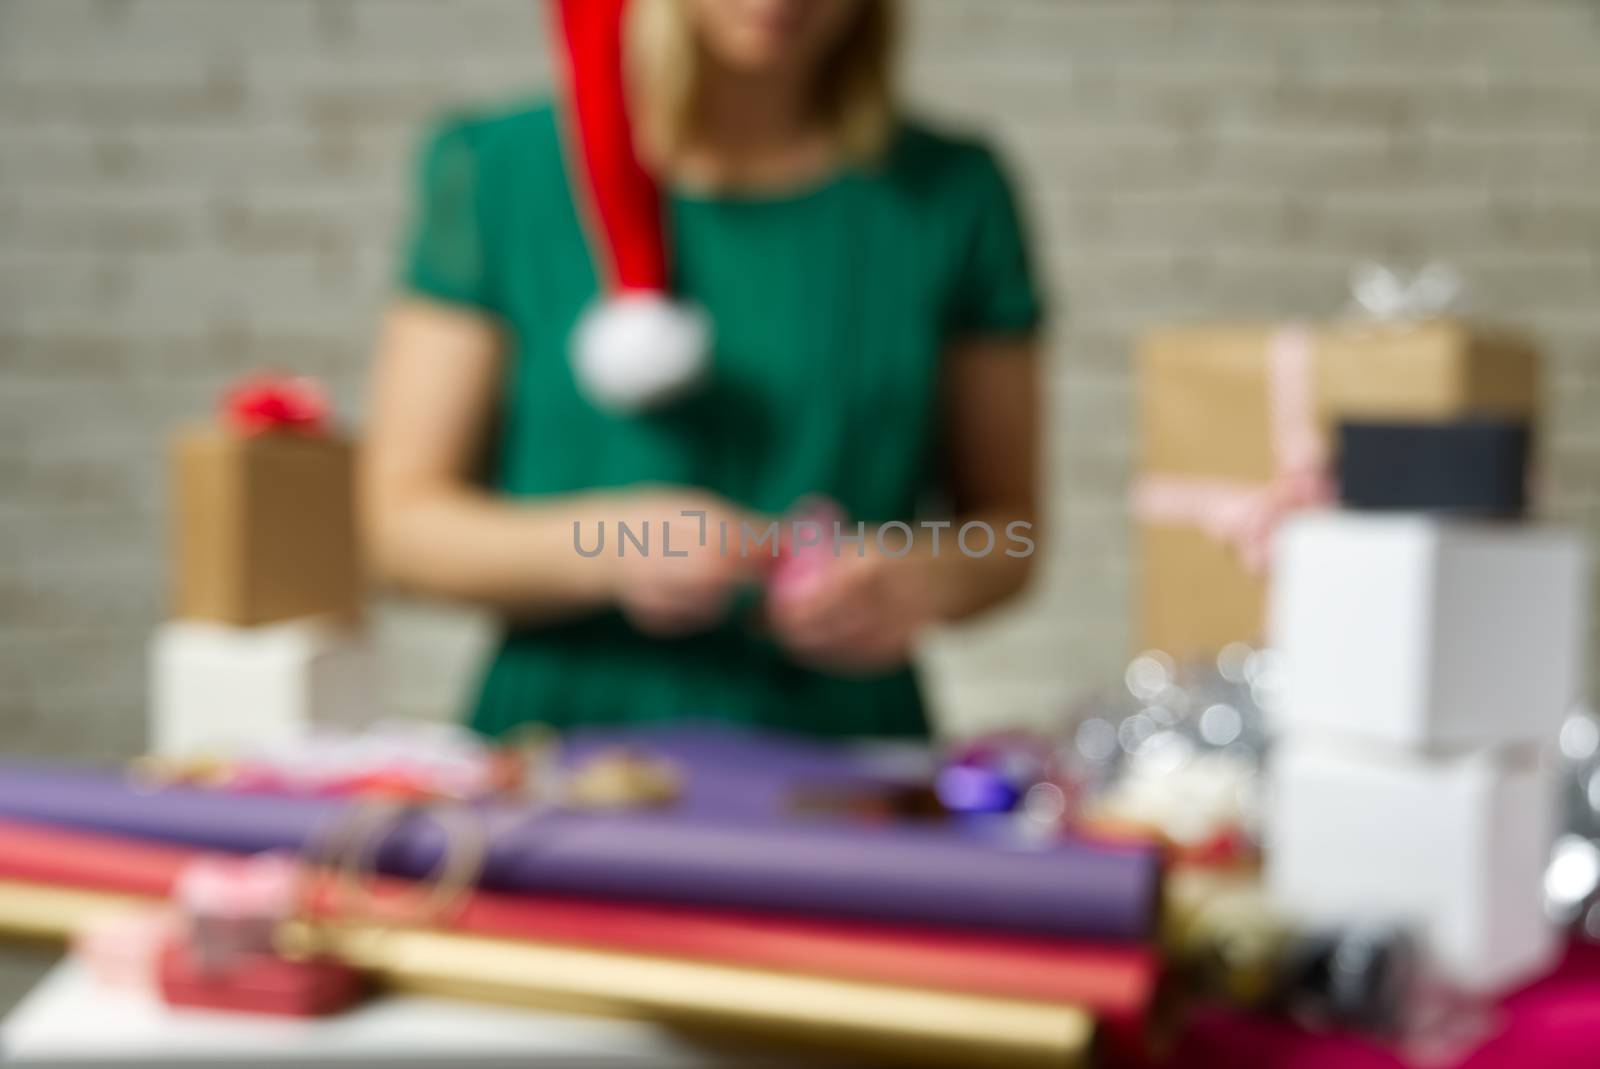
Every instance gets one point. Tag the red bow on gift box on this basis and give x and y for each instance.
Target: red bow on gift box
(268, 403)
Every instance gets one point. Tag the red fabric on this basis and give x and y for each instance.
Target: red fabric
(623, 202)
(1116, 982)
(1551, 1024)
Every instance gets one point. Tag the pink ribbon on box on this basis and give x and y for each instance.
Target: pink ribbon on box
(1242, 514)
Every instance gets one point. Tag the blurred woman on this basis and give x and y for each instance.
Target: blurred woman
(875, 318)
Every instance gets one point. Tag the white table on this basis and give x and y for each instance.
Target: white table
(68, 1021)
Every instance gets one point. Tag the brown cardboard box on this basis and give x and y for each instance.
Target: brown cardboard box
(263, 527)
(1204, 413)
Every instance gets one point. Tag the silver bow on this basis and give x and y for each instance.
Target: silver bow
(1383, 293)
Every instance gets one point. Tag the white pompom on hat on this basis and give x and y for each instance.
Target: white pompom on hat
(636, 348)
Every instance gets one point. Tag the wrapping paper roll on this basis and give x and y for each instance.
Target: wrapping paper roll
(751, 772)
(45, 912)
(1118, 983)
(913, 1026)
(978, 878)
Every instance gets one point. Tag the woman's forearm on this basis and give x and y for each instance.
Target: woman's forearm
(428, 526)
(992, 441)
(520, 557)
(969, 581)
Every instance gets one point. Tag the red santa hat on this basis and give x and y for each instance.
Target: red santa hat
(636, 348)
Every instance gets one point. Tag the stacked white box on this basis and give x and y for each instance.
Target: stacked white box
(1455, 847)
(1426, 632)
(1425, 660)
(217, 690)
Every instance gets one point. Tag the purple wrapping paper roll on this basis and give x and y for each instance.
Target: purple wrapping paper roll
(735, 856)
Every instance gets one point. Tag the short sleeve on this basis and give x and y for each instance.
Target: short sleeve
(996, 291)
(446, 256)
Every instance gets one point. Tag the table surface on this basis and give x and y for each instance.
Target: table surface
(69, 1020)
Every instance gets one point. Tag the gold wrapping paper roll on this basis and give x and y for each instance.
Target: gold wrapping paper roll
(38, 911)
(905, 1025)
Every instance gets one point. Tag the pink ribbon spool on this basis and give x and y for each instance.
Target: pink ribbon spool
(232, 907)
(808, 548)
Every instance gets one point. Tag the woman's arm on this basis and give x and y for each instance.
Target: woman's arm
(992, 419)
(431, 527)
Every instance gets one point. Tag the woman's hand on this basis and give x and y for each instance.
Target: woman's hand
(860, 615)
(686, 579)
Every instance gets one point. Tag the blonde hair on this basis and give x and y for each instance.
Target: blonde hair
(855, 83)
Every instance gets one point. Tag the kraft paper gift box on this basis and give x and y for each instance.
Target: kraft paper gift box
(217, 690)
(1454, 847)
(263, 527)
(1426, 631)
(1235, 426)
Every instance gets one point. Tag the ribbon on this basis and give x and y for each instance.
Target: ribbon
(1245, 515)
(269, 403)
(240, 912)
(344, 864)
(804, 561)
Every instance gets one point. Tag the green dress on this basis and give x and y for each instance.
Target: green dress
(831, 308)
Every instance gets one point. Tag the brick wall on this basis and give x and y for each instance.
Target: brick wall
(190, 189)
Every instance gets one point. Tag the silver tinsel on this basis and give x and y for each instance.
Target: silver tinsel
(1572, 879)
(1179, 747)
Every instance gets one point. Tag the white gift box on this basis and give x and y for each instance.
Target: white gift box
(1426, 631)
(220, 690)
(1454, 847)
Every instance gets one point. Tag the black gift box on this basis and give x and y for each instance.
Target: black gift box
(1472, 467)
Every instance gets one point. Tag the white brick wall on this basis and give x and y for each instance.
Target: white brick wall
(190, 189)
